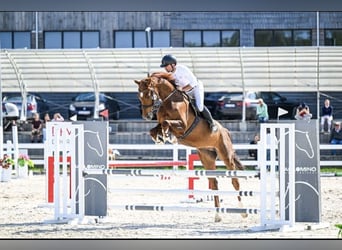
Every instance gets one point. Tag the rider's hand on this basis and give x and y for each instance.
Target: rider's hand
(156, 74)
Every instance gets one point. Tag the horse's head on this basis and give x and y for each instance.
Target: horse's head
(147, 96)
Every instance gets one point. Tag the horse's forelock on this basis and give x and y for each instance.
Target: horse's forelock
(143, 84)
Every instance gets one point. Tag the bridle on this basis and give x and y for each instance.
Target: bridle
(154, 101)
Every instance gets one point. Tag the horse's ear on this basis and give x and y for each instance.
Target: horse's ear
(137, 82)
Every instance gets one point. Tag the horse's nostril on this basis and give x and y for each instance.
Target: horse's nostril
(147, 117)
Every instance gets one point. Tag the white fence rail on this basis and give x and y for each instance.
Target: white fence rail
(176, 148)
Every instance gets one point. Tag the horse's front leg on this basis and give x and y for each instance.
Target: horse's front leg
(172, 127)
(157, 134)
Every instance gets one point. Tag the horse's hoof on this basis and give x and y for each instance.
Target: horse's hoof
(218, 218)
(244, 215)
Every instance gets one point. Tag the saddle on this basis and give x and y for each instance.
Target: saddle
(192, 103)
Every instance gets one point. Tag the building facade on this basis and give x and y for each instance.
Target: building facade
(72, 30)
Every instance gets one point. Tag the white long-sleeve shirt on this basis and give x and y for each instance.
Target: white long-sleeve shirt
(183, 76)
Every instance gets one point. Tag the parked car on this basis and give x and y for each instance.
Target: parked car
(83, 106)
(228, 105)
(35, 103)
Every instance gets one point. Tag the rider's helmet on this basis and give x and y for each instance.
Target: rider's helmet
(168, 59)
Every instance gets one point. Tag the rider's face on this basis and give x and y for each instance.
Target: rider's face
(169, 68)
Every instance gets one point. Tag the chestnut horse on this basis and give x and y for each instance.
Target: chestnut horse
(179, 122)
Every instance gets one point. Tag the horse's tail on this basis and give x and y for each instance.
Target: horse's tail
(238, 163)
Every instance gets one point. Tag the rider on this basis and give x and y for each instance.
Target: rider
(186, 81)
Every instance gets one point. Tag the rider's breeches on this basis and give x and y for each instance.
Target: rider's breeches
(198, 94)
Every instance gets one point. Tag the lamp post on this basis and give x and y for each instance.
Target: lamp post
(148, 45)
(148, 37)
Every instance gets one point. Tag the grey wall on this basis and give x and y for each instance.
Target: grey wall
(176, 22)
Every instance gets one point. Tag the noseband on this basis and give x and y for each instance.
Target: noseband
(153, 97)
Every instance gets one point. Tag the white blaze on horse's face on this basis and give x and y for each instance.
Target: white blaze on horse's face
(154, 97)
(141, 94)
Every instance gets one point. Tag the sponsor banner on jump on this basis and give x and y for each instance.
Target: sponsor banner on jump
(307, 171)
(95, 157)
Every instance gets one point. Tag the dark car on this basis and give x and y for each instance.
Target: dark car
(35, 103)
(83, 106)
(228, 105)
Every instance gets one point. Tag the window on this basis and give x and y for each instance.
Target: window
(263, 38)
(123, 39)
(71, 39)
(302, 38)
(282, 38)
(138, 39)
(6, 40)
(211, 38)
(230, 38)
(161, 39)
(90, 39)
(53, 40)
(192, 39)
(15, 40)
(333, 37)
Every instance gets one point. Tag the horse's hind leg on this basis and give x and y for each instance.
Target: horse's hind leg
(208, 159)
(228, 156)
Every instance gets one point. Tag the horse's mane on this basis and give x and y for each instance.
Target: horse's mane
(166, 76)
(178, 96)
(170, 80)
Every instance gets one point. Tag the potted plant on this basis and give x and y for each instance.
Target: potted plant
(6, 164)
(24, 162)
(339, 226)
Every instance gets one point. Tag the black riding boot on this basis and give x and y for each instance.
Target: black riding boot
(206, 114)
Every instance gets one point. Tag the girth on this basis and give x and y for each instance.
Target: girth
(190, 129)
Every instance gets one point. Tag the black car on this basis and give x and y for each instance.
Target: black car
(228, 105)
(83, 106)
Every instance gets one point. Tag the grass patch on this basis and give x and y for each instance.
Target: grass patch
(331, 170)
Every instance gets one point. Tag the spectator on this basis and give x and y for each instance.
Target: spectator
(46, 119)
(303, 112)
(262, 111)
(327, 115)
(336, 135)
(37, 126)
(254, 152)
(57, 117)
